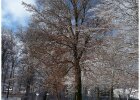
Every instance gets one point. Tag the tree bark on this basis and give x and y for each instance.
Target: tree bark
(78, 94)
(11, 73)
(97, 93)
(45, 96)
(27, 89)
(27, 92)
(111, 93)
(7, 95)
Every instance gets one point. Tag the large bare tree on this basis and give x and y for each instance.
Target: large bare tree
(69, 25)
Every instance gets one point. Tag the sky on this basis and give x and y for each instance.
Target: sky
(14, 13)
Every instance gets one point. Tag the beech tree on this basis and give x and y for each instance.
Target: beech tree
(71, 25)
(44, 60)
(117, 57)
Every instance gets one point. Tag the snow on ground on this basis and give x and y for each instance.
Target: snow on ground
(11, 98)
(133, 93)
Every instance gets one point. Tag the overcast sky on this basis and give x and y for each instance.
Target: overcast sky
(14, 13)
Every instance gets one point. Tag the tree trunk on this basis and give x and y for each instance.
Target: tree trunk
(4, 76)
(111, 93)
(97, 93)
(57, 96)
(27, 92)
(45, 96)
(27, 89)
(9, 83)
(7, 95)
(120, 97)
(78, 94)
(29, 82)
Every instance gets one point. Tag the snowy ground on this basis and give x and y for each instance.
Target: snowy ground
(12, 98)
(132, 92)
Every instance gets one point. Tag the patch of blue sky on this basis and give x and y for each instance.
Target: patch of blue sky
(14, 13)
(11, 23)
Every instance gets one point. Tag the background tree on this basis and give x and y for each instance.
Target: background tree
(8, 60)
